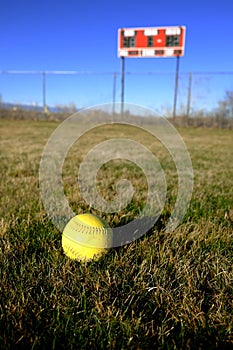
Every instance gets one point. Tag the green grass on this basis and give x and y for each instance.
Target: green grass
(163, 291)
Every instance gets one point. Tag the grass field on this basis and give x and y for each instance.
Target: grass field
(163, 291)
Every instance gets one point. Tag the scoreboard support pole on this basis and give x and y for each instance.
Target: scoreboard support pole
(122, 84)
(176, 85)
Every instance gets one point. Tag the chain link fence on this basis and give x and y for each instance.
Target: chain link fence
(198, 92)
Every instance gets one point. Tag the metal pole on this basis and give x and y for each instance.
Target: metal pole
(45, 110)
(176, 85)
(114, 93)
(122, 84)
(189, 94)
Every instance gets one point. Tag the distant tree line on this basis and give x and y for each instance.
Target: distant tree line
(220, 117)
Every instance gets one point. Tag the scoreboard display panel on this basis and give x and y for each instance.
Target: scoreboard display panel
(151, 42)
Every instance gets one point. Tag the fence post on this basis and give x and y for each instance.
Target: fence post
(114, 93)
(45, 109)
(189, 94)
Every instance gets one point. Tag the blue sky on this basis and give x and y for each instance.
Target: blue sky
(82, 35)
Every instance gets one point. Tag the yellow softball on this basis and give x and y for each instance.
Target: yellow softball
(86, 237)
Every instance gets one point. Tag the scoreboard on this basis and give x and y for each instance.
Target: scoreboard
(151, 42)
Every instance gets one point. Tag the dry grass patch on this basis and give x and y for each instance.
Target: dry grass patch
(165, 291)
